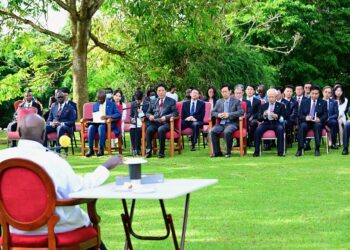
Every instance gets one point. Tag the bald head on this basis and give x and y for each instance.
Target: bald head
(32, 127)
(101, 96)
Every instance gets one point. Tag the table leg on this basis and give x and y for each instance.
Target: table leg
(184, 223)
(169, 225)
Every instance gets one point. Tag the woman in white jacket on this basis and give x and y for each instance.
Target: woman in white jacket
(338, 95)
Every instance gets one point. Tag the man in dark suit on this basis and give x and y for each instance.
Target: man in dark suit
(28, 102)
(159, 114)
(333, 114)
(291, 113)
(66, 93)
(228, 110)
(346, 135)
(253, 105)
(192, 113)
(107, 110)
(61, 118)
(313, 115)
(299, 94)
(270, 115)
(139, 109)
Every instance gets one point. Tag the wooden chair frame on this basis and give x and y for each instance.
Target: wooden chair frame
(48, 217)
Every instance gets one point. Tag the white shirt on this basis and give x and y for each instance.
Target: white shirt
(173, 96)
(28, 104)
(250, 99)
(64, 179)
(102, 108)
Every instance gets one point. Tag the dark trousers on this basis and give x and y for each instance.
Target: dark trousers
(12, 127)
(289, 125)
(152, 128)
(346, 134)
(333, 125)
(304, 127)
(277, 127)
(227, 129)
(135, 136)
(60, 130)
(252, 126)
(101, 129)
(195, 126)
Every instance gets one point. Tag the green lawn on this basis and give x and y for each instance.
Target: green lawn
(259, 203)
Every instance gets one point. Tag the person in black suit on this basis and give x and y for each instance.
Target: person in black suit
(253, 105)
(346, 135)
(67, 100)
(159, 114)
(139, 108)
(61, 118)
(28, 102)
(291, 113)
(299, 94)
(271, 115)
(313, 115)
(333, 114)
(227, 110)
(192, 113)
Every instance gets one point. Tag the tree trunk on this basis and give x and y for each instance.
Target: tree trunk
(80, 32)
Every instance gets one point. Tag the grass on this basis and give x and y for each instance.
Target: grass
(259, 203)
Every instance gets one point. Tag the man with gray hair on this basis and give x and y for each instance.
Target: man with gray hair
(271, 115)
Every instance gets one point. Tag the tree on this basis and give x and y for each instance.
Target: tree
(81, 14)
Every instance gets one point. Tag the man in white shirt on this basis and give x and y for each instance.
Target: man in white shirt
(32, 132)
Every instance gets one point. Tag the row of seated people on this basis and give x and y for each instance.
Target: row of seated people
(158, 115)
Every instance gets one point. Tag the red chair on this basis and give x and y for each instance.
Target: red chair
(127, 122)
(240, 134)
(271, 135)
(87, 117)
(206, 121)
(21, 113)
(53, 137)
(172, 135)
(17, 103)
(28, 201)
(310, 135)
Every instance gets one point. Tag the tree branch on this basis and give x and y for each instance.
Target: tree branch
(65, 6)
(106, 47)
(296, 40)
(35, 26)
(95, 7)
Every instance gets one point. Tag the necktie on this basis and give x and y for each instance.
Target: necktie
(192, 109)
(328, 105)
(312, 111)
(59, 110)
(226, 109)
(161, 105)
(299, 100)
(271, 108)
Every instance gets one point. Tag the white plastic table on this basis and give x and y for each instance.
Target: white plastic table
(169, 189)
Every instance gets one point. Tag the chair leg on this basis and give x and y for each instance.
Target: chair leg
(120, 147)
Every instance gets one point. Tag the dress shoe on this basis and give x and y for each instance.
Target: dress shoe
(148, 155)
(227, 155)
(334, 146)
(90, 153)
(345, 151)
(299, 153)
(317, 152)
(193, 148)
(100, 153)
(217, 155)
(161, 156)
(256, 154)
(307, 147)
(281, 155)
